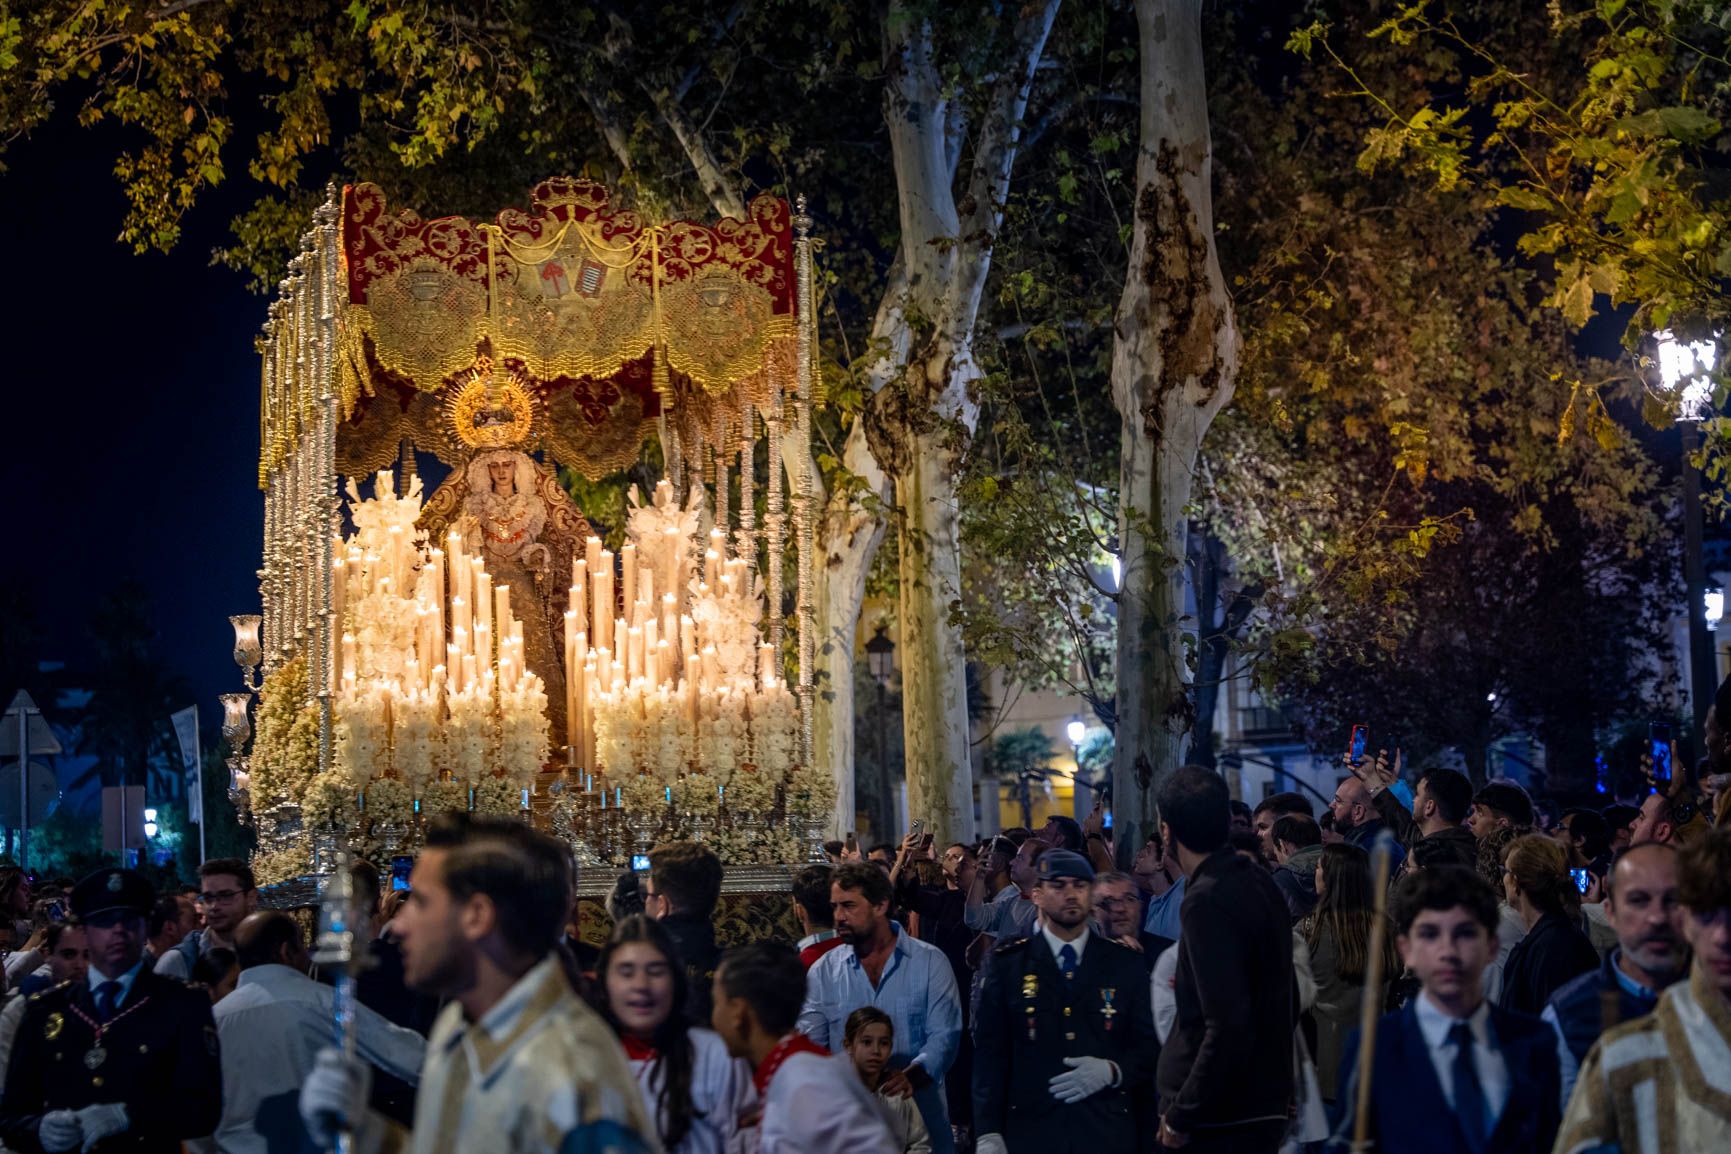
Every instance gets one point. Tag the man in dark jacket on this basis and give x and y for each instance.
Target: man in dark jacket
(121, 1059)
(1439, 807)
(1641, 902)
(681, 892)
(1066, 1036)
(1225, 1073)
(1297, 841)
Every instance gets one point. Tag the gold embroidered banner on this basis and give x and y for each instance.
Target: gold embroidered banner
(566, 289)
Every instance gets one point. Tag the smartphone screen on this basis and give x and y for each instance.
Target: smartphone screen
(1107, 820)
(400, 870)
(1356, 746)
(640, 862)
(1583, 880)
(1659, 736)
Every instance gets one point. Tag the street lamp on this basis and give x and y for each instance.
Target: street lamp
(1076, 731)
(1685, 372)
(880, 660)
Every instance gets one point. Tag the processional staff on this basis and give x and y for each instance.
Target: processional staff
(344, 946)
(1370, 1003)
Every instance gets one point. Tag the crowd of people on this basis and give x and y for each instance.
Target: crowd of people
(1531, 984)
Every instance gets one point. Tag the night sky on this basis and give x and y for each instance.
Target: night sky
(134, 395)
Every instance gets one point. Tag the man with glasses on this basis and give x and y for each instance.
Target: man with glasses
(1118, 916)
(226, 896)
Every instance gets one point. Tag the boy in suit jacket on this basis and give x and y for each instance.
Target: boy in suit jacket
(1453, 1074)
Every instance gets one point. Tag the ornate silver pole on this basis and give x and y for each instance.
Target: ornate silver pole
(326, 266)
(802, 423)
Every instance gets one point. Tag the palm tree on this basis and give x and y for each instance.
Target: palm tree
(1025, 757)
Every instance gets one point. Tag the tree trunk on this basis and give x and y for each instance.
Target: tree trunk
(849, 534)
(1174, 359)
(919, 423)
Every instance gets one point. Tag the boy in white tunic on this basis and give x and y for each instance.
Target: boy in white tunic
(813, 1103)
(516, 1063)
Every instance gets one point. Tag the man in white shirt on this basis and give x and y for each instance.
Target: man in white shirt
(516, 1063)
(272, 1028)
(813, 1102)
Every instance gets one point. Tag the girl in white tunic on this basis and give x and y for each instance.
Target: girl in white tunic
(698, 1095)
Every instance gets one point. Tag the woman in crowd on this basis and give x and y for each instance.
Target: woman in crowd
(1338, 934)
(696, 1093)
(1538, 887)
(869, 1037)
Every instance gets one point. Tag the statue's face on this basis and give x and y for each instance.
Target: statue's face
(504, 474)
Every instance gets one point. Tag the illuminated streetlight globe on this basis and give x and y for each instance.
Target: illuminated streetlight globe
(1076, 731)
(1685, 369)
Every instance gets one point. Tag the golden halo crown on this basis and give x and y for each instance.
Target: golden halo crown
(494, 410)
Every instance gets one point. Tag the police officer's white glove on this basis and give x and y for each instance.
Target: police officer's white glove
(59, 1131)
(990, 1144)
(103, 1120)
(1085, 1077)
(334, 1096)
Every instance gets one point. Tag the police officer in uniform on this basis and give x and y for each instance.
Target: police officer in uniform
(123, 1060)
(1064, 1039)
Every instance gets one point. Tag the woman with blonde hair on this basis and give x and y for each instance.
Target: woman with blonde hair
(1538, 887)
(1338, 934)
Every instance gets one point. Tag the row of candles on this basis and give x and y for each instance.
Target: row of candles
(655, 649)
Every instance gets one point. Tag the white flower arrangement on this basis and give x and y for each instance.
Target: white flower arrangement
(523, 730)
(750, 791)
(468, 734)
(329, 801)
(810, 792)
(669, 738)
(360, 736)
(722, 732)
(620, 730)
(389, 801)
(697, 793)
(444, 796)
(644, 794)
(498, 797)
(420, 739)
(774, 730)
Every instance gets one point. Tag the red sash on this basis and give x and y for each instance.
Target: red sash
(795, 1043)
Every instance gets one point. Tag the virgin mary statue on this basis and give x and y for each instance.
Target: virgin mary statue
(512, 512)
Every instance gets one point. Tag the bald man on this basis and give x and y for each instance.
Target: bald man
(1641, 904)
(275, 1022)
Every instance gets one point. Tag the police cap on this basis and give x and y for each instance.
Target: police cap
(112, 891)
(1062, 863)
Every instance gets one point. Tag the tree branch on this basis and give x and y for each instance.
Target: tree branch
(982, 209)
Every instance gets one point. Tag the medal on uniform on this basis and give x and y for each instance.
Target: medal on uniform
(1107, 1010)
(1030, 990)
(97, 1054)
(56, 1023)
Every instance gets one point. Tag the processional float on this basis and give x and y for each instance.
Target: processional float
(494, 647)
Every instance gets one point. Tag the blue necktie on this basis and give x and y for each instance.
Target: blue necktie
(107, 998)
(1469, 1093)
(1067, 962)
